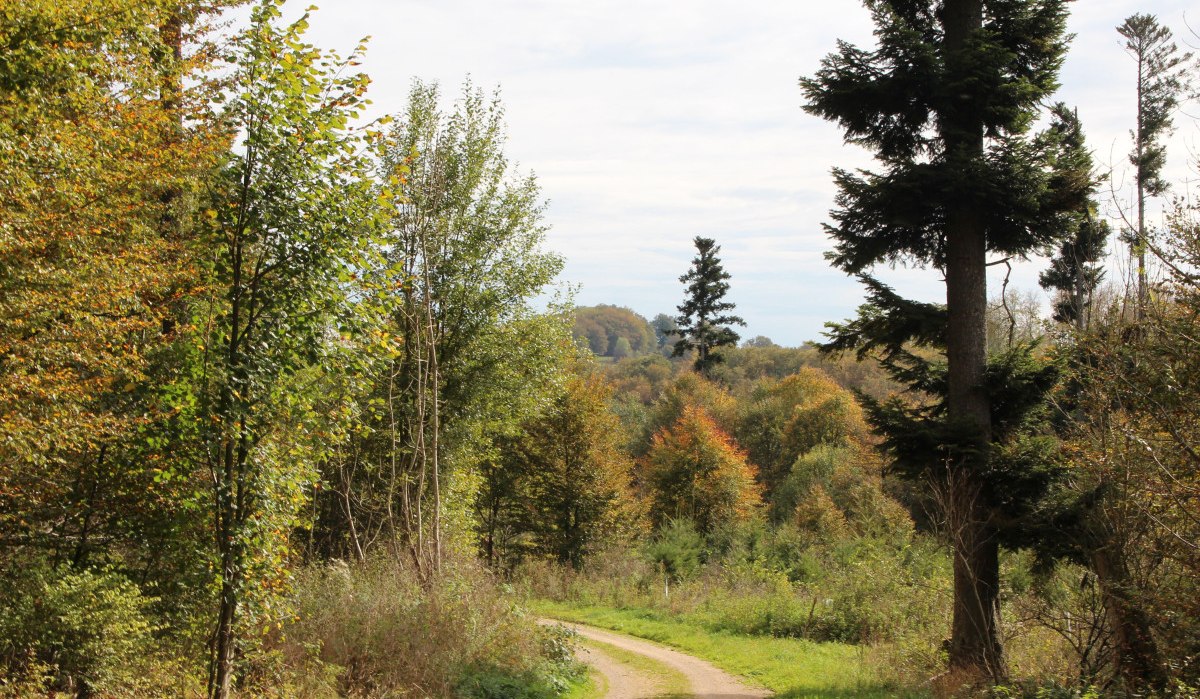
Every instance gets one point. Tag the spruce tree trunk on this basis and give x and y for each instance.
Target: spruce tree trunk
(974, 642)
(974, 639)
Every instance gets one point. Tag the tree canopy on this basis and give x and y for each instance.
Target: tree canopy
(603, 328)
(1161, 77)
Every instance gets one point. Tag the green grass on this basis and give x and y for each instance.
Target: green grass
(792, 668)
(592, 686)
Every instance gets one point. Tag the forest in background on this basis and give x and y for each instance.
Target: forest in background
(282, 413)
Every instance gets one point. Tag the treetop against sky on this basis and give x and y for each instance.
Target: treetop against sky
(649, 123)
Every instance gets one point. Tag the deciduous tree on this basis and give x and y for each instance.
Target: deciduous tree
(1127, 513)
(695, 471)
(780, 421)
(603, 327)
(86, 274)
(463, 358)
(563, 483)
(665, 331)
(286, 220)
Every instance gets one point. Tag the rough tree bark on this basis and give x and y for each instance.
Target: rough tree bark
(974, 642)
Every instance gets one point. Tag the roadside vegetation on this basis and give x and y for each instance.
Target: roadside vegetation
(291, 405)
(788, 667)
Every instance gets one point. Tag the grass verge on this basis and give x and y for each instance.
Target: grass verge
(792, 668)
(592, 686)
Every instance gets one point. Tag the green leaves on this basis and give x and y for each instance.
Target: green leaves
(296, 218)
(453, 357)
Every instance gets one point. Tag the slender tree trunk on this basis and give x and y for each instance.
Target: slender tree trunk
(421, 480)
(221, 672)
(85, 527)
(1135, 651)
(489, 541)
(974, 642)
(435, 447)
(224, 641)
(1140, 234)
(1079, 300)
(227, 467)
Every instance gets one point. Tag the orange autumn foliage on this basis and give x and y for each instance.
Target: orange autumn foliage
(89, 271)
(101, 150)
(696, 471)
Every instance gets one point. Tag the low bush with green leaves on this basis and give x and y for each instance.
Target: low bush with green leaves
(75, 631)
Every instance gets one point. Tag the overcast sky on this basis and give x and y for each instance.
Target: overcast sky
(649, 122)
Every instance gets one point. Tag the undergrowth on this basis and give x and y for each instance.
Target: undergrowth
(377, 630)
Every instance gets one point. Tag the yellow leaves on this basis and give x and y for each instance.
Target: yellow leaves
(87, 227)
(818, 513)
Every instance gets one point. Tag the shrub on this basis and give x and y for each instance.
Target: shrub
(551, 676)
(677, 550)
(379, 630)
(811, 470)
(75, 631)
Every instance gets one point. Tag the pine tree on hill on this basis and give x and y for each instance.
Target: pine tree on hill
(945, 100)
(704, 318)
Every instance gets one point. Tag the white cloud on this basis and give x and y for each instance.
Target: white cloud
(651, 121)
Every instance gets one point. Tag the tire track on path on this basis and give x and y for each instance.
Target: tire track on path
(706, 681)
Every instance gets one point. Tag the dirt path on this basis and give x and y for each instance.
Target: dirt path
(620, 681)
(624, 682)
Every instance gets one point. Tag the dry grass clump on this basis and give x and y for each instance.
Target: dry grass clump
(378, 630)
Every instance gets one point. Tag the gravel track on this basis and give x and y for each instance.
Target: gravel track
(707, 681)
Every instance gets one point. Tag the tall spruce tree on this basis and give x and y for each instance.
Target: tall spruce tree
(1075, 270)
(704, 318)
(945, 100)
(1160, 80)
